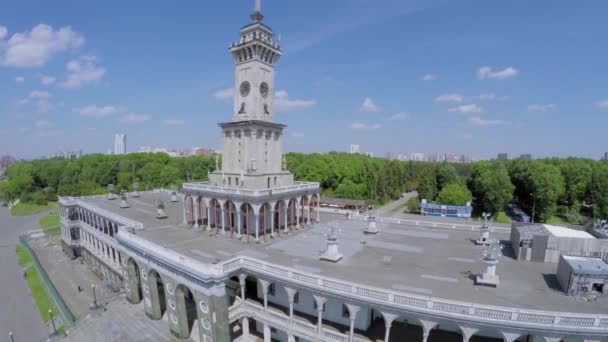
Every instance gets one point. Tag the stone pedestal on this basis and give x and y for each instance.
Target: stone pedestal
(332, 254)
(488, 277)
(371, 226)
(484, 238)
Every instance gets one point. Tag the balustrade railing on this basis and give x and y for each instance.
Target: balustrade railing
(437, 306)
(207, 186)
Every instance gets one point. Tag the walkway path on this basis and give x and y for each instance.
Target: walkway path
(18, 313)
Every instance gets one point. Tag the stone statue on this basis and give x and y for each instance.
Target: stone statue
(160, 209)
(111, 189)
(123, 200)
(284, 163)
(135, 189)
(217, 162)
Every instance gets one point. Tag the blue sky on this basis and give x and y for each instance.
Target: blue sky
(399, 76)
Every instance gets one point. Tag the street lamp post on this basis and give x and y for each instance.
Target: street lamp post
(94, 297)
(52, 321)
(10, 334)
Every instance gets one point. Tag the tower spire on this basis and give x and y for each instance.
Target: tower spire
(257, 15)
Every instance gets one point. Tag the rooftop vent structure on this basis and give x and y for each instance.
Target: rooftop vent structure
(111, 194)
(331, 253)
(484, 237)
(123, 200)
(174, 196)
(371, 225)
(160, 210)
(490, 258)
(135, 190)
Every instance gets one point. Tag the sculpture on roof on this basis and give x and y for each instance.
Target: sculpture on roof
(135, 190)
(484, 238)
(160, 209)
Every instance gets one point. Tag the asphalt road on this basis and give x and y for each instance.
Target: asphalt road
(18, 313)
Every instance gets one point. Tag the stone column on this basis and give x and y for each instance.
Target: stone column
(320, 305)
(208, 216)
(291, 293)
(257, 224)
(297, 215)
(388, 322)
(272, 212)
(265, 284)
(467, 333)
(245, 326)
(184, 210)
(318, 208)
(223, 220)
(427, 326)
(267, 334)
(510, 337)
(290, 338)
(285, 228)
(238, 221)
(195, 208)
(352, 312)
(242, 278)
(308, 213)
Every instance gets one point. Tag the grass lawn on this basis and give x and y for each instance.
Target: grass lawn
(23, 256)
(50, 226)
(27, 209)
(38, 292)
(502, 218)
(557, 220)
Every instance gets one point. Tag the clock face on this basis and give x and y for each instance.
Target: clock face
(264, 89)
(245, 88)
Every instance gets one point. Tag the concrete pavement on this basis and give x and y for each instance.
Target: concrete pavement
(18, 312)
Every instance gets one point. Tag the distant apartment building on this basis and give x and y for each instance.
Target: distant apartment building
(369, 154)
(526, 156)
(465, 158)
(503, 156)
(449, 157)
(120, 144)
(355, 149)
(417, 157)
(605, 157)
(201, 151)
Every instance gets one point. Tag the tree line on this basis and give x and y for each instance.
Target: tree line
(571, 188)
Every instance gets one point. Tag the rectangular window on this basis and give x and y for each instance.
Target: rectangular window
(296, 298)
(271, 289)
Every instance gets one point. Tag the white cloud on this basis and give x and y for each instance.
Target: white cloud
(486, 72)
(487, 97)
(173, 122)
(450, 98)
(39, 99)
(470, 108)
(47, 80)
(135, 118)
(399, 116)
(282, 102)
(224, 94)
(429, 77)
(363, 127)
(36, 47)
(43, 124)
(94, 111)
(369, 106)
(19, 79)
(603, 104)
(82, 72)
(542, 107)
(298, 135)
(477, 121)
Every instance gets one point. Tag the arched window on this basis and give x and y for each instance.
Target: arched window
(268, 182)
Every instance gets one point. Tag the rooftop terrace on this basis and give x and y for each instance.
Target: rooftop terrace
(413, 259)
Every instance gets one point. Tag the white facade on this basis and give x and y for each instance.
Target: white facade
(354, 149)
(120, 144)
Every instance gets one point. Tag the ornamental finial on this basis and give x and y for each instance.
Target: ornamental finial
(257, 15)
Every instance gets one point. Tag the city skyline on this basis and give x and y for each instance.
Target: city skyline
(484, 86)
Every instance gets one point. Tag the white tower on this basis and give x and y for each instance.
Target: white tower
(254, 55)
(120, 144)
(252, 147)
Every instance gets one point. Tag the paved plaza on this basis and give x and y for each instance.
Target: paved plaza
(19, 313)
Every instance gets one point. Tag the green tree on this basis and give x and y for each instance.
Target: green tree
(446, 174)
(427, 186)
(454, 194)
(491, 187)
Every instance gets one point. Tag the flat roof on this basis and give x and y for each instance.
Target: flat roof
(567, 232)
(413, 259)
(587, 265)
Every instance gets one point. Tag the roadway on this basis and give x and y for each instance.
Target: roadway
(18, 313)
